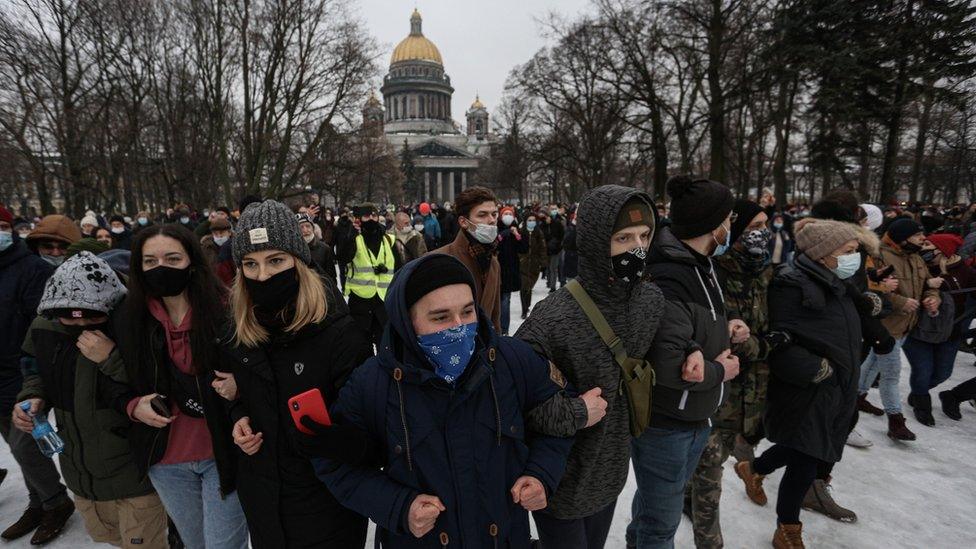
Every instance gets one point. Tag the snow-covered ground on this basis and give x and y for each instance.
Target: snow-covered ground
(906, 495)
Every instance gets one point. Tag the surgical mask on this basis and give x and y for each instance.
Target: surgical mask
(206, 213)
(166, 281)
(486, 234)
(53, 260)
(184, 220)
(847, 265)
(508, 220)
(530, 225)
(629, 266)
(308, 238)
(777, 225)
(406, 230)
(143, 221)
(553, 213)
(221, 240)
(23, 234)
(117, 230)
(450, 350)
(722, 248)
(6, 240)
(418, 227)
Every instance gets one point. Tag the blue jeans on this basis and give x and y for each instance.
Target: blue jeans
(191, 494)
(931, 363)
(889, 366)
(506, 311)
(663, 460)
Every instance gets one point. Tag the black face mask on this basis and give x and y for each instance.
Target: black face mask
(371, 227)
(629, 266)
(75, 330)
(910, 248)
(167, 281)
(275, 293)
(928, 256)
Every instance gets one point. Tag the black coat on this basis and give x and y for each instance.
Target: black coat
(571, 257)
(285, 503)
(810, 303)
(509, 249)
(555, 232)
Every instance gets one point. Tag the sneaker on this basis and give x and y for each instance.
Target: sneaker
(819, 500)
(856, 440)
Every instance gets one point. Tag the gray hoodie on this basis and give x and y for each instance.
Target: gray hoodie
(598, 464)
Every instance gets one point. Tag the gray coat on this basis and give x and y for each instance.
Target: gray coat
(558, 327)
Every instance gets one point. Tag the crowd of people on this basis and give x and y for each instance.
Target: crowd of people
(280, 376)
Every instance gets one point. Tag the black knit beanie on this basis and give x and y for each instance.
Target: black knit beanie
(746, 211)
(902, 229)
(698, 206)
(436, 272)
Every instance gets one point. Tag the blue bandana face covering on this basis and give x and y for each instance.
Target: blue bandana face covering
(450, 350)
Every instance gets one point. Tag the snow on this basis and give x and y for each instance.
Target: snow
(907, 495)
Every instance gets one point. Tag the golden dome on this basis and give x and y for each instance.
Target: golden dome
(477, 103)
(416, 46)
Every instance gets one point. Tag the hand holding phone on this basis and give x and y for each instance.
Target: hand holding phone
(311, 404)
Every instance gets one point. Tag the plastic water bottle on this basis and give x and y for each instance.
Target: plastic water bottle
(47, 439)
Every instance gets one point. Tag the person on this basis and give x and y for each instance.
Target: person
(812, 385)
(206, 226)
(220, 234)
(532, 261)
(72, 366)
(616, 225)
(321, 253)
(343, 232)
(570, 264)
(691, 355)
(432, 228)
(121, 235)
(511, 243)
(179, 430)
(476, 246)
(143, 220)
(22, 278)
(444, 405)
(743, 273)
(183, 219)
(327, 225)
(368, 251)
(555, 233)
(932, 361)
(410, 242)
(449, 222)
(88, 224)
(916, 289)
(291, 333)
(52, 236)
(105, 236)
(781, 241)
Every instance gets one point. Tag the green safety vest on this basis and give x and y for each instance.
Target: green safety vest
(361, 278)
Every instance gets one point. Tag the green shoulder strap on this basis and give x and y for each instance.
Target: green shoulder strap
(596, 318)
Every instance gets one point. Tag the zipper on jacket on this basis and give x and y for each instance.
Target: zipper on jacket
(493, 532)
(397, 376)
(444, 540)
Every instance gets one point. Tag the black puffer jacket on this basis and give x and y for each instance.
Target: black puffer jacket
(696, 321)
(558, 327)
(815, 307)
(286, 505)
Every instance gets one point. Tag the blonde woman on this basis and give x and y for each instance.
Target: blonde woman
(291, 334)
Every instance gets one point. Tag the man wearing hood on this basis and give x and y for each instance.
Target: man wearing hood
(691, 354)
(444, 405)
(615, 226)
(368, 252)
(321, 252)
(52, 236)
(22, 278)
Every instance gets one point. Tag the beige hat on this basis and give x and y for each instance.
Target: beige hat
(817, 238)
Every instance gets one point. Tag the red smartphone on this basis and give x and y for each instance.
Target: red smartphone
(311, 404)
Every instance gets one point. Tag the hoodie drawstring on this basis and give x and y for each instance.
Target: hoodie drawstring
(397, 376)
(708, 296)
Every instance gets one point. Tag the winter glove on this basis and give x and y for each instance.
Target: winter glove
(877, 275)
(776, 339)
(883, 345)
(342, 443)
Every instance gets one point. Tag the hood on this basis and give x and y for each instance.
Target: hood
(668, 249)
(400, 347)
(17, 251)
(83, 281)
(55, 227)
(595, 219)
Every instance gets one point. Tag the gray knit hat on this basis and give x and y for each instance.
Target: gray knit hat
(269, 225)
(817, 238)
(82, 284)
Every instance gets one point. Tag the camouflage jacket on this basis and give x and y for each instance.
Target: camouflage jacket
(745, 299)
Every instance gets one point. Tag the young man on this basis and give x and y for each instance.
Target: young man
(321, 252)
(444, 407)
(72, 366)
(217, 246)
(476, 245)
(52, 236)
(691, 354)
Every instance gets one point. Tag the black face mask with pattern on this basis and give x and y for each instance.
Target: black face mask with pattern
(629, 266)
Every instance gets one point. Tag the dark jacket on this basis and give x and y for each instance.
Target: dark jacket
(148, 372)
(449, 225)
(598, 465)
(22, 278)
(122, 241)
(323, 256)
(555, 232)
(810, 407)
(509, 249)
(285, 504)
(97, 462)
(571, 253)
(465, 444)
(696, 321)
(534, 259)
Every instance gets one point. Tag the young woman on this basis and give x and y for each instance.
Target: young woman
(292, 333)
(531, 261)
(181, 435)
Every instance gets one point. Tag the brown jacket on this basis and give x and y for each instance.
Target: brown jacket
(912, 274)
(487, 285)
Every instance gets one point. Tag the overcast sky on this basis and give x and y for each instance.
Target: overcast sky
(480, 41)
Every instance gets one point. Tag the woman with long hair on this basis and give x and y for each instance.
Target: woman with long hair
(292, 333)
(181, 435)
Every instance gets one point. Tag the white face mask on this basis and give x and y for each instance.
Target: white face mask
(508, 220)
(418, 227)
(221, 240)
(118, 230)
(184, 220)
(486, 234)
(308, 238)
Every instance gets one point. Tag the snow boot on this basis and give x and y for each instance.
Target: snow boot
(865, 406)
(52, 523)
(788, 536)
(897, 430)
(819, 499)
(857, 440)
(753, 482)
(950, 405)
(922, 406)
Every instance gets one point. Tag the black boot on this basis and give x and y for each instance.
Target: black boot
(922, 405)
(950, 405)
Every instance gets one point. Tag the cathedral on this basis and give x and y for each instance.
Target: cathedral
(416, 112)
